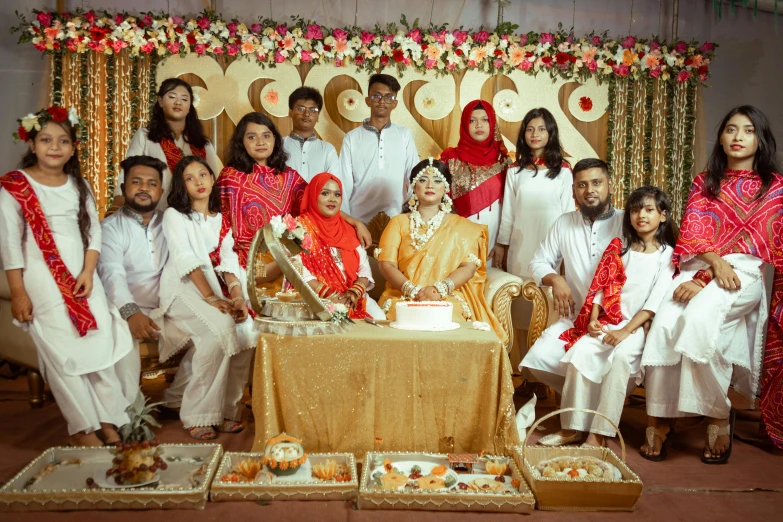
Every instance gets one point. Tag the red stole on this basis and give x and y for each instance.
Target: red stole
(736, 223)
(609, 277)
(173, 154)
(78, 310)
(322, 265)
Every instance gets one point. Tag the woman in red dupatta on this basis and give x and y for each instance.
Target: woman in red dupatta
(478, 167)
(336, 266)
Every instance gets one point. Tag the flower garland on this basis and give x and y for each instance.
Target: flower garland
(557, 54)
(419, 240)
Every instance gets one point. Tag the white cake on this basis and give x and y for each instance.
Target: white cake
(424, 315)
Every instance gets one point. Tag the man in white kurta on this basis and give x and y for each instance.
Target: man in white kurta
(307, 154)
(133, 255)
(578, 239)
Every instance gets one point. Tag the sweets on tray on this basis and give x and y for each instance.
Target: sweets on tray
(577, 468)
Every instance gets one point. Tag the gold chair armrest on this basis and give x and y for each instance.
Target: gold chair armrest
(543, 309)
(500, 289)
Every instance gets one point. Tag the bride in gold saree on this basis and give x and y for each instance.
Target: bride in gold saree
(430, 254)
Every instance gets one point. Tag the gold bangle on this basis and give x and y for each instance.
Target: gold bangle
(211, 299)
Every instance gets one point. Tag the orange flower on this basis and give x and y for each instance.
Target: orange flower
(340, 45)
(283, 465)
(517, 56)
(387, 465)
(628, 57)
(248, 47)
(271, 97)
(433, 52)
(651, 61)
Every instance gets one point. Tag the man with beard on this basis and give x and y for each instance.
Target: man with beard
(133, 253)
(578, 239)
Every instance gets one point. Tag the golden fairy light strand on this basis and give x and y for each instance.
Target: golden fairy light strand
(659, 135)
(675, 192)
(639, 118)
(619, 139)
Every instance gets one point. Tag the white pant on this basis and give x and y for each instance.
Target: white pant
(543, 358)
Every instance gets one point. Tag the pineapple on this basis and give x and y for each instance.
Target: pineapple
(136, 457)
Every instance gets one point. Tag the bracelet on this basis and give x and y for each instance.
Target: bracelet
(233, 285)
(703, 276)
(440, 286)
(449, 285)
(240, 298)
(213, 298)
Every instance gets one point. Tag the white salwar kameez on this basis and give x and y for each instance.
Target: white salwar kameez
(141, 145)
(375, 167)
(600, 376)
(364, 271)
(212, 377)
(694, 351)
(86, 374)
(579, 244)
(490, 217)
(311, 156)
(532, 202)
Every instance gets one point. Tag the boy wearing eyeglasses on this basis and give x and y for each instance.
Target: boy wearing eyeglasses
(376, 159)
(307, 154)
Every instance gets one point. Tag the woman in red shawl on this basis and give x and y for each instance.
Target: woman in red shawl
(710, 334)
(336, 267)
(478, 167)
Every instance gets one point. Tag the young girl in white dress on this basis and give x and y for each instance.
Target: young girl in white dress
(538, 190)
(173, 132)
(50, 240)
(604, 349)
(215, 370)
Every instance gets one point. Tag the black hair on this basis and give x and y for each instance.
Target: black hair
(387, 80)
(442, 168)
(306, 93)
(553, 152)
(591, 163)
(667, 231)
(73, 169)
(158, 128)
(178, 198)
(238, 156)
(765, 162)
(142, 161)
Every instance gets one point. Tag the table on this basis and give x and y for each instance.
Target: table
(374, 389)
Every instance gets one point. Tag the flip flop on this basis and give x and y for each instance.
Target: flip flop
(713, 432)
(650, 435)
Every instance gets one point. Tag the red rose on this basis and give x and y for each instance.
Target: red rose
(359, 60)
(641, 55)
(458, 52)
(398, 56)
(689, 61)
(546, 60)
(498, 52)
(98, 33)
(423, 47)
(58, 113)
(561, 58)
(702, 70)
(571, 58)
(327, 48)
(384, 59)
(178, 30)
(22, 133)
(610, 62)
(191, 38)
(528, 54)
(585, 103)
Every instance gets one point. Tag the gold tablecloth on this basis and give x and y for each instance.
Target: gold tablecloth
(374, 389)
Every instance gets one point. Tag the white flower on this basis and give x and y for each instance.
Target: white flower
(196, 100)
(340, 308)
(278, 227)
(73, 116)
(30, 122)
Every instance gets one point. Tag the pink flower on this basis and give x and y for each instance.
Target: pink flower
(90, 16)
(173, 47)
(628, 43)
(306, 56)
(439, 37)
(655, 72)
(290, 222)
(547, 38)
(119, 45)
(655, 45)
(232, 50)
(177, 20)
(307, 242)
(338, 62)
(481, 37)
(498, 63)
(451, 66)
(146, 21)
(217, 50)
(592, 65)
(118, 18)
(367, 37)
(201, 49)
(147, 48)
(388, 38)
(281, 30)
(415, 35)
(707, 47)
(526, 65)
(314, 32)
(429, 64)
(683, 76)
(204, 23)
(255, 28)
(681, 47)
(459, 37)
(232, 28)
(522, 39)
(45, 19)
(340, 34)
(621, 70)
(596, 40)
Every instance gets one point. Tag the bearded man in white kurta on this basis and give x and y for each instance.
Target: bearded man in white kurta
(578, 239)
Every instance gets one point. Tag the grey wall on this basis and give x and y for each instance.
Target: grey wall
(747, 69)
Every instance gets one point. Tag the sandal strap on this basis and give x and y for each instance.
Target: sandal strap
(651, 433)
(714, 431)
(202, 432)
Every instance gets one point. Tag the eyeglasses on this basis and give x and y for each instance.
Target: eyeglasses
(301, 109)
(388, 98)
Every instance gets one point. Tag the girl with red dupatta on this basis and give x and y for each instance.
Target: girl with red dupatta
(257, 185)
(710, 333)
(478, 168)
(173, 132)
(50, 240)
(336, 267)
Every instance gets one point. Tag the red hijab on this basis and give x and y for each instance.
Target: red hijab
(332, 231)
(482, 154)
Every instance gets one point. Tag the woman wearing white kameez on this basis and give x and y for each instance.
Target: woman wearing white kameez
(49, 234)
(216, 368)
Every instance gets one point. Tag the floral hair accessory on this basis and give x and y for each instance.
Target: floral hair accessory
(446, 205)
(37, 121)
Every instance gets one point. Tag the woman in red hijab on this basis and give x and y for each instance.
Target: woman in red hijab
(336, 267)
(478, 167)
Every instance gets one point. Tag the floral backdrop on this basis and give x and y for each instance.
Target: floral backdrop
(630, 100)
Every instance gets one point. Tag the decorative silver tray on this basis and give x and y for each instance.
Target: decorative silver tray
(63, 486)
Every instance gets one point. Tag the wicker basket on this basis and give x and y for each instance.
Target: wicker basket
(554, 494)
